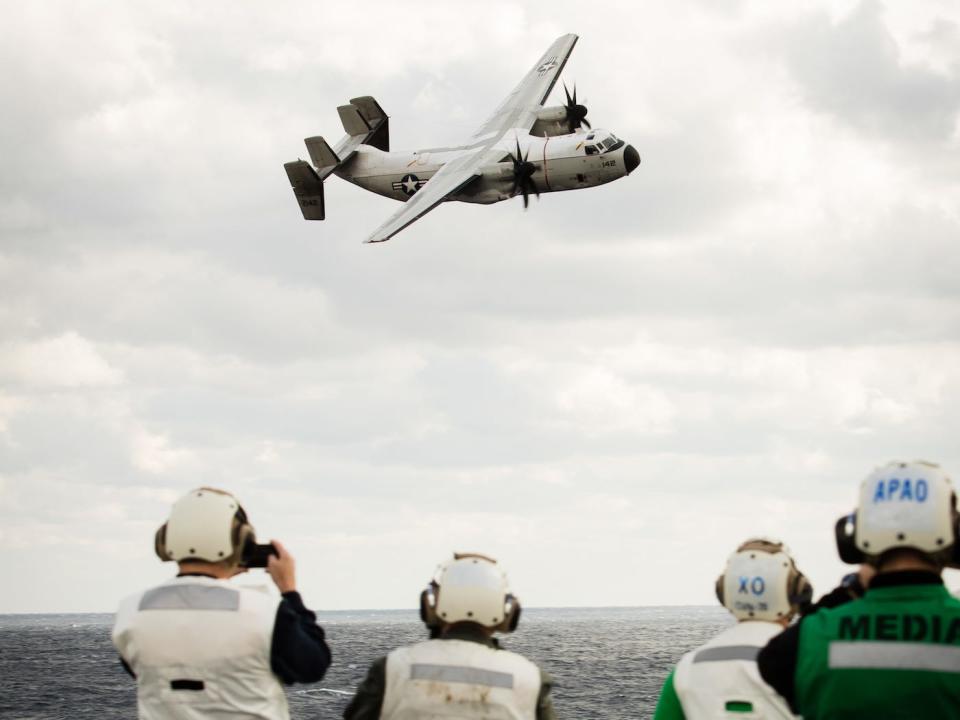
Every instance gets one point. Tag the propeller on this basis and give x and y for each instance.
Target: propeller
(576, 114)
(523, 171)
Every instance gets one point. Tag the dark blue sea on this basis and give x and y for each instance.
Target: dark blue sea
(607, 662)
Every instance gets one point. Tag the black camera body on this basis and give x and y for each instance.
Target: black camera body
(255, 555)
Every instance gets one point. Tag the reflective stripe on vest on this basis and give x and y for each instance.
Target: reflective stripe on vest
(461, 674)
(728, 652)
(895, 656)
(190, 597)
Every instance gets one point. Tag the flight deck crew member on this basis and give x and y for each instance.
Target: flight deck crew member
(461, 672)
(763, 589)
(202, 647)
(895, 652)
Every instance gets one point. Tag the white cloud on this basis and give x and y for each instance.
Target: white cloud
(8, 408)
(152, 452)
(599, 402)
(64, 361)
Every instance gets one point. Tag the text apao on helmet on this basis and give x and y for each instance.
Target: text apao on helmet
(896, 489)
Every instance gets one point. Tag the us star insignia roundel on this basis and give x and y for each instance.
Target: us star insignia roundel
(409, 184)
(548, 65)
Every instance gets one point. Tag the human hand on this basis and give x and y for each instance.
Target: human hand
(282, 569)
(857, 582)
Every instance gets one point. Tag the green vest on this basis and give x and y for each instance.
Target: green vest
(895, 653)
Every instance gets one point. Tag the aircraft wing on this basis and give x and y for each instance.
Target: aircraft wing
(446, 181)
(520, 108)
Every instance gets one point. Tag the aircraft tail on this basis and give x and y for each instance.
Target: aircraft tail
(365, 123)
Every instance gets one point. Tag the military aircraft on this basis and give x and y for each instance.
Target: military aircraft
(522, 148)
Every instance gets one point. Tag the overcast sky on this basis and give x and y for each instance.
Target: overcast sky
(608, 392)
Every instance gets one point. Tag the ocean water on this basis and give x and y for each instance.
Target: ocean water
(607, 662)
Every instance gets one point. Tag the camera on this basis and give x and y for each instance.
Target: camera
(255, 555)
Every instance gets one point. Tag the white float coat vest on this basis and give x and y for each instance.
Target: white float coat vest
(459, 680)
(724, 670)
(199, 632)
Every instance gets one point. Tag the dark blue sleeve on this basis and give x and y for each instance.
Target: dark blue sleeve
(299, 652)
(777, 663)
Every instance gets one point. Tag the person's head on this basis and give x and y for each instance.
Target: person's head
(207, 530)
(761, 582)
(470, 589)
(906, 519)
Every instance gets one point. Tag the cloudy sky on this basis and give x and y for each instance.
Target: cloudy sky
(608, 391)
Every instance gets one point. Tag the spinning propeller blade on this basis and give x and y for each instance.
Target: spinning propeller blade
(576, 114)
(523, 171)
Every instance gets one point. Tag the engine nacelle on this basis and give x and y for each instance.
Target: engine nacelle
(551, 121)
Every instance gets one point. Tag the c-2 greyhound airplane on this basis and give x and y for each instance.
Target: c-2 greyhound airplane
(522, 148)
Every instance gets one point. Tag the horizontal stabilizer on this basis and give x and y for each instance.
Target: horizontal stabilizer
(377, 119)
(353, 122)
(321, 154)
(307, 187)
(369, 109)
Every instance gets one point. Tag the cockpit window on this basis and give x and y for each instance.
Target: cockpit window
(608, 143)
(614, 144)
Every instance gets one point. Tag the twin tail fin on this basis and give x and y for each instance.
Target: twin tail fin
(365, 123)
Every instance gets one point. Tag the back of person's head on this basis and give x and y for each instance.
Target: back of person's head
(205, 525)
(762, 582)
(470, 588)
(907, 512)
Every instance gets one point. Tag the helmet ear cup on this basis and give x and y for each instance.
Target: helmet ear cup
(428, 605)
(718, 589)
(243, 536)
(801, 593)
(160, 543)
(515, 620)
(845, 532)
(512, 610)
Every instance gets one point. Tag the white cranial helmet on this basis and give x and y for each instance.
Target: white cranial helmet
(470, 588)
(762, 582)
(205, 524)
(905, 505)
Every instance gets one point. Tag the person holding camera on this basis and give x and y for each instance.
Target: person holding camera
(461, 671)
(202, 647)
(883, 645)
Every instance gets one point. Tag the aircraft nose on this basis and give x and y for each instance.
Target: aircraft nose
(631, 158)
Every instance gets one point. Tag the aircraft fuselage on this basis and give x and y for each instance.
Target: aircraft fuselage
(563, 162)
